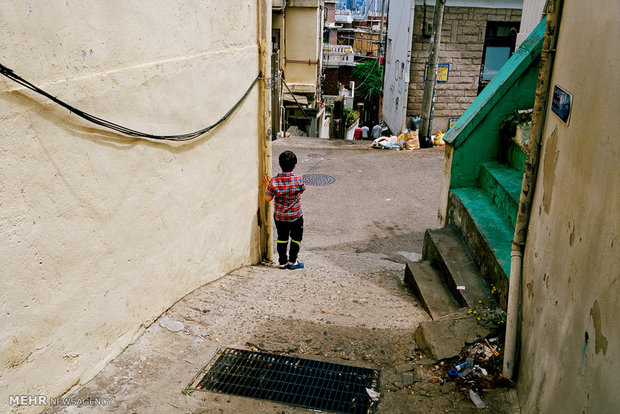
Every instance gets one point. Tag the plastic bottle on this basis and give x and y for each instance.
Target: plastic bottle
(465, 368)
(476, 399)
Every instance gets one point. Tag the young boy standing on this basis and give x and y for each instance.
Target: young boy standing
(285, 189)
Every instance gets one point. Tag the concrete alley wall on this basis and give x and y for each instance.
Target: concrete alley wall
(101, 233)
(571, 290)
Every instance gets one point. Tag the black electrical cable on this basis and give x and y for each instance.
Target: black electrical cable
(367, 76)
(295, 99)
(119, 128)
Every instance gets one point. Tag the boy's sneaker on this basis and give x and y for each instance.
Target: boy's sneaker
(284, 266)
(296, 265)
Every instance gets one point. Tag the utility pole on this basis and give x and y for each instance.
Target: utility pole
(381, 30)
(426, 120)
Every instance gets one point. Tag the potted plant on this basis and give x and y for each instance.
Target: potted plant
(351, 122)
(516, 127)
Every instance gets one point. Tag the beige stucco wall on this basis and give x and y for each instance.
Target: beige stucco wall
(277, 22)
(571, 302)
(302, 47)
(101, 233)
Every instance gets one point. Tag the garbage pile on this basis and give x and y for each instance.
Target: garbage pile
(477, 368)
(408, 140)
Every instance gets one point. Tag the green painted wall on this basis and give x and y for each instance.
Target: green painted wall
(482, 142)
(475, 137)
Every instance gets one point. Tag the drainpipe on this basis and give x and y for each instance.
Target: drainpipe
(264, 126)
(554, 16)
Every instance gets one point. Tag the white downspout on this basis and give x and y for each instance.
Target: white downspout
(554, 15)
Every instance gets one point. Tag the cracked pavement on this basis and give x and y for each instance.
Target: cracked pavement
(349, 305)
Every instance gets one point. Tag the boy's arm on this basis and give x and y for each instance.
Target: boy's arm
(302, 185)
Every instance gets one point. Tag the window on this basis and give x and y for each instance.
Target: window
(499, 44)
(494, 59)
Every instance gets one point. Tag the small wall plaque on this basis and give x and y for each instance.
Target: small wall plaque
(561, 103)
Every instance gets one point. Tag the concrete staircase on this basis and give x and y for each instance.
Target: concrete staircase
(446, 279)
(470, 257)
(481, 188)
(465, 261)
(449, 286)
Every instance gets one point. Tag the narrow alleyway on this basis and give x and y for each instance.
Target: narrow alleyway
(349, 304)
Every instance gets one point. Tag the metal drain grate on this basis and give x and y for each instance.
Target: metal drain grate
(290, 380)
(318, 179)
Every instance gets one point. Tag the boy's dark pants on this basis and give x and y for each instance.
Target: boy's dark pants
(294, 230)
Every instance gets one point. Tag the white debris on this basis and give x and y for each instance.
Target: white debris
(171, 324)
(414, 257)
(374, 395)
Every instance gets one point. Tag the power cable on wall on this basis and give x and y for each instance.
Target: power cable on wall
(119, 128)
(295, 99)
(368, 76)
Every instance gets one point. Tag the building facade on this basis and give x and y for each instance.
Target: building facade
(102, 232)
(475, 43)
(477, 38)
(546, 222)
(570, 337)
(298, 31)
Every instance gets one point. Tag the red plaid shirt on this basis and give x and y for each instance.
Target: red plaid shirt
(286, 189)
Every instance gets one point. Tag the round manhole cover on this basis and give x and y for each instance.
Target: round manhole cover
(318, 179)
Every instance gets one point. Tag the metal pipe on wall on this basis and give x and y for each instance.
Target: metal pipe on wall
(264, 126)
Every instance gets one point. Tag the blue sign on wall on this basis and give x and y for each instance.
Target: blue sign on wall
(561, 103)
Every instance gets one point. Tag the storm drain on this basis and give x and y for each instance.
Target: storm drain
(318, 179)
(290, 380)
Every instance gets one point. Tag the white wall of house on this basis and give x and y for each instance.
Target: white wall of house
(531, 16)
(101, 233)
(570, 340)
(397, 64)
(303, 45)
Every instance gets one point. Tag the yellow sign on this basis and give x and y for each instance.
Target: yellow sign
(443, 70)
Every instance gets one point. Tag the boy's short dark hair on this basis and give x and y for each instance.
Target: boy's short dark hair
(288, 160)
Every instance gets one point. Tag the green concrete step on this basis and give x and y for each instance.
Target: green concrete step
(487, 234)
(502, 184)
(427, 284)
(515, 157)
(446, 251)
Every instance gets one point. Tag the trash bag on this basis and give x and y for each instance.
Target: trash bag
(411, 140)
(438, 139)
(386, 143)
(414, 123)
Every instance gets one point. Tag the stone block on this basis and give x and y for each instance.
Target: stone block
(475, 47)
(444, 338)
(470, 30)
(468, 39)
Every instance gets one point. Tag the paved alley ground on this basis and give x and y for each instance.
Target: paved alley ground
(348, 305)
